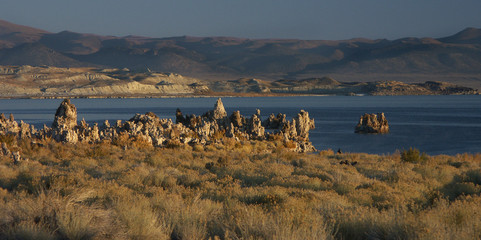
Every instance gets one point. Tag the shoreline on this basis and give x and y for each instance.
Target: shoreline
(223, 95)
(25, 82)
(171, 96)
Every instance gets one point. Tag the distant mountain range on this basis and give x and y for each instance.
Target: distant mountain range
(455, 59)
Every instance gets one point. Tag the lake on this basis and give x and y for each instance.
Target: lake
(433, 124)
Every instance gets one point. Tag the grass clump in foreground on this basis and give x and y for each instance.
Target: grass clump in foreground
(248, 190)
(413, 155)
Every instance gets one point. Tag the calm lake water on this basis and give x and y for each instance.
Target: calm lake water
(433, 124)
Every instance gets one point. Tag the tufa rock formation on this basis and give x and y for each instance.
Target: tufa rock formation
(66, 116)
(372, 123)
(218, 112)
(14, 156)
(65, 122)
(209, 128)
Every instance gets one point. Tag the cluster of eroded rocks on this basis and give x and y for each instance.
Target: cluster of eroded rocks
(372, 123)
(187, 129)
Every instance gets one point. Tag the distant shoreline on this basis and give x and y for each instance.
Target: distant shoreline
(220, 95)
(43, 83)
(177, 96)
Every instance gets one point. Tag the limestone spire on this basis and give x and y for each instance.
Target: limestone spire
(219, 110)
(66, 116)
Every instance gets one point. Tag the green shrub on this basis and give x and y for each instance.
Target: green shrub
(28, 231)
(24, 181)
(343, 188)
(474, 176)
(463, 185)
(413, 156)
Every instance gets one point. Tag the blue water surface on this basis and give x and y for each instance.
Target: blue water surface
(433, 124)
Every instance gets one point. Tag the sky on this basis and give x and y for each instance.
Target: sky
(295, 19)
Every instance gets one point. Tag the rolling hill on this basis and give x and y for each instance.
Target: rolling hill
(12, 34)
(455, 59)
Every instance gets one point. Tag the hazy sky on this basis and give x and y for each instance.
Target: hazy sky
(302, 19)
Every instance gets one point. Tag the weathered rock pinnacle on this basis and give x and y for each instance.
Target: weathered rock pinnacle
(66, 116)
(63, 126)
(219, 110)
(304, 124)
(372, 123)
(236, 119)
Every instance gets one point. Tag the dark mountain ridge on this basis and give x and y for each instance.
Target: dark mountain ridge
(13, 34)
(455, 58)
(36, 54)
(467, 36)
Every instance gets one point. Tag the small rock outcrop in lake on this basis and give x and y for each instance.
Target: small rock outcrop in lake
(208, 128)
(372, 123)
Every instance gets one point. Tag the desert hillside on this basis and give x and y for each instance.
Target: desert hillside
(455, 59)
(53, 82)
(27, 81)
(47, 82)
(329, 86)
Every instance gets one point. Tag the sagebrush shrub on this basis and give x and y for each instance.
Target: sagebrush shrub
(246, 190)
(413, 156)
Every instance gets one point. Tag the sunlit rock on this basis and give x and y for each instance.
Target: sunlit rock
(148, 128)
(372, 123)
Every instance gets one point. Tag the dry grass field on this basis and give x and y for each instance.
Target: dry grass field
(248, 190)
